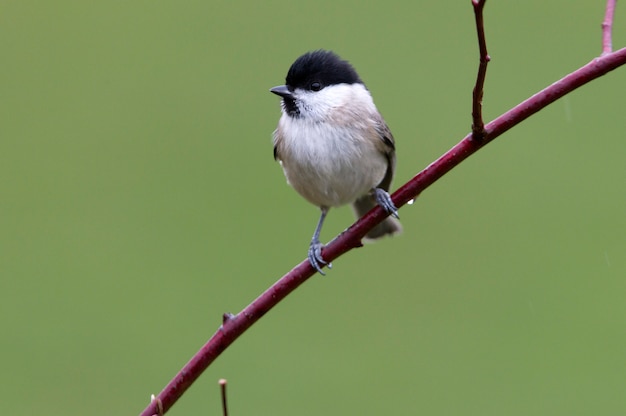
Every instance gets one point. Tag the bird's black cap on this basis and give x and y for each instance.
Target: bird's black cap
(318, 69)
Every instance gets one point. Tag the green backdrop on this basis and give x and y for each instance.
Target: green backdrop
(139, 201)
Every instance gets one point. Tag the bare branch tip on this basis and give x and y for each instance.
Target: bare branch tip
(222, 383)
(478, 4)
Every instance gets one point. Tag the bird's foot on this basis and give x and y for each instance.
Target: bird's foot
(384, 200)
(315, 257)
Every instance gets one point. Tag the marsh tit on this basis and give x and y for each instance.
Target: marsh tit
(333, 145)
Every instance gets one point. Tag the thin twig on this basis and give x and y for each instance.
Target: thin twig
(222, 383)
(607, 27)
(478, 126)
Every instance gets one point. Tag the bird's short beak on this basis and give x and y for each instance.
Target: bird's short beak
(282, 90)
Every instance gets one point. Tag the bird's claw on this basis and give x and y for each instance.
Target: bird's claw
(384, 200)
(315, 257)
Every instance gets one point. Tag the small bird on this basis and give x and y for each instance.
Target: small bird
(333, 144)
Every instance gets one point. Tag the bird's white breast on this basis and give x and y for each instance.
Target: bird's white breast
(331, 158)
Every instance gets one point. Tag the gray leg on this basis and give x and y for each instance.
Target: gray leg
(315, 248)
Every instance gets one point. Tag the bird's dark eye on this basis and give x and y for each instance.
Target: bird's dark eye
(316, 86)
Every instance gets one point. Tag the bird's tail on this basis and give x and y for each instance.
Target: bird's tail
(390, 226)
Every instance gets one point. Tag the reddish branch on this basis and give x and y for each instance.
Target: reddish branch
(235, 325)
(607, 27)
(478, 126)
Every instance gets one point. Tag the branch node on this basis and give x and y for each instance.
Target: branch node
(228, 317)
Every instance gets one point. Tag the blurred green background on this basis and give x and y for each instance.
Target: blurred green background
(139, 201)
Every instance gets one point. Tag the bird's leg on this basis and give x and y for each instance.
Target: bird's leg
(384, 200)
(315, 248)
